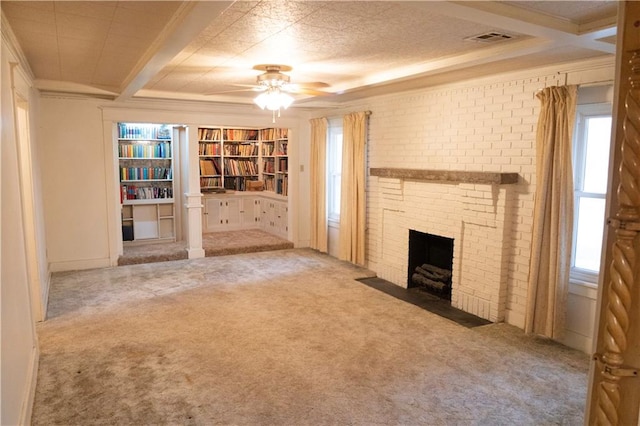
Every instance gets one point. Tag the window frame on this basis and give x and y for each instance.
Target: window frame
(334, 130)
(583, 113)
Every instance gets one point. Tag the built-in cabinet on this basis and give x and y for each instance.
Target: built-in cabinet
(146, 167)
(274, 217)
(227, 212)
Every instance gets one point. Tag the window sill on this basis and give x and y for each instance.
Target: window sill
(583, 288)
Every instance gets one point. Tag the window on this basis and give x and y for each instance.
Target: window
(591, 168)
(334, 168)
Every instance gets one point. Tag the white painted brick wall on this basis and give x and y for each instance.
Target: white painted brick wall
(490, 127)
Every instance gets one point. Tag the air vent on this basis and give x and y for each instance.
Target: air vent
(490, 37)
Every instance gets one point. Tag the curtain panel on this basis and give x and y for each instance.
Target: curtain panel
(318, 172)
(553, 214)
(352, 196)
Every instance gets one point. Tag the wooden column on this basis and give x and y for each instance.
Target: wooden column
(614, 394)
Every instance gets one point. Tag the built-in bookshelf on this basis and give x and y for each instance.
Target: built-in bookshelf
(145, 158)
(210, 154)
(230, 157)
(146, 168)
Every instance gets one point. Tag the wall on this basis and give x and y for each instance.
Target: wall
(485, 124)
(73, 174)
(19, 351)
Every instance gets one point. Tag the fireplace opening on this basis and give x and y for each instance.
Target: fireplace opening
(430, 263)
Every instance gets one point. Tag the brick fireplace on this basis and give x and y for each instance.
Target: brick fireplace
(472, 209)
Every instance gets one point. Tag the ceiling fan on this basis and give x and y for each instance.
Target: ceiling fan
(276, 88)
(273, 77)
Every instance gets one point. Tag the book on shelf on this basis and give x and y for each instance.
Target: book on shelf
(136, 131)
(240, 167)
(244, 150)
(210, 182)
(272, 134)
(283, 165)
(133, 192)
(145, 173)
(137, 150)
(209, 167)
(267, 149)
(240, 135)
(205, 134)
(269, 167)
(208, 148)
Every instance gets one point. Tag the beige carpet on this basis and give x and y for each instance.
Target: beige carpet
(283, 338)
(213, 243)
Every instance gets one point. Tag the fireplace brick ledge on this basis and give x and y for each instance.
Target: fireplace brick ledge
(453, 176)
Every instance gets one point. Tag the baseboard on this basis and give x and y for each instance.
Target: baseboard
(195, 253)
(45, 295)
(30, 392)
(577, 341)
(76, 265)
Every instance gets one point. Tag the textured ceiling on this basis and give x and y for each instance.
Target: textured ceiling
(204, 50)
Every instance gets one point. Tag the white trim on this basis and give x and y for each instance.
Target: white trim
(72, 265)
(195, 253)
(587, 290)
(30, 390)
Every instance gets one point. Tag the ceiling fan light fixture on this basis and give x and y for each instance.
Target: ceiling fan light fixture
(273, 100)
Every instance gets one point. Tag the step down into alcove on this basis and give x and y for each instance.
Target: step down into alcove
(425, 301)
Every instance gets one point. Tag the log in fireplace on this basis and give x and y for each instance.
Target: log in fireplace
(430, 263)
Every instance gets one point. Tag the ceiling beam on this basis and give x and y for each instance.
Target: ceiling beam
(188, 22)
(486, 55)
(520, 21)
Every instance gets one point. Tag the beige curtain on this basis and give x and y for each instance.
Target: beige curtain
(352, 189)
(318, 171)
(553, 213)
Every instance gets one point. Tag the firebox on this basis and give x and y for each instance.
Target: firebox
(430, 263)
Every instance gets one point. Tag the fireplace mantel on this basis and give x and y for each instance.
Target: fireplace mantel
(452, 176)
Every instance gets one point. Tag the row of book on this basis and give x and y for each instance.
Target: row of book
(282, 186)
(210, 182)
(240, 135)
(282, 148)
(132, 192)
(283, 165)
(269, 167)
(145, 173)
(209, 134)
(210, 167)
(206, 134)
(267, 149)
(269, 183)
(143, 131)
(235, 183)
(240, 167)
(209, 149)
(245, 150)
(155, 150)
(271, 134)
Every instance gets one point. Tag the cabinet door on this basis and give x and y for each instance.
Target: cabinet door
(233, 215)
(250, 213)
(145, 222)
(282, 219)
(213, 218)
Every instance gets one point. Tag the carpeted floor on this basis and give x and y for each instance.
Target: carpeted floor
(213, 243)
(283, 337)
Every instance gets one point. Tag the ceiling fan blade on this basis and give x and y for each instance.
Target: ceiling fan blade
(311, 85)
(312, 92)
(254, 86)
(228, 91)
